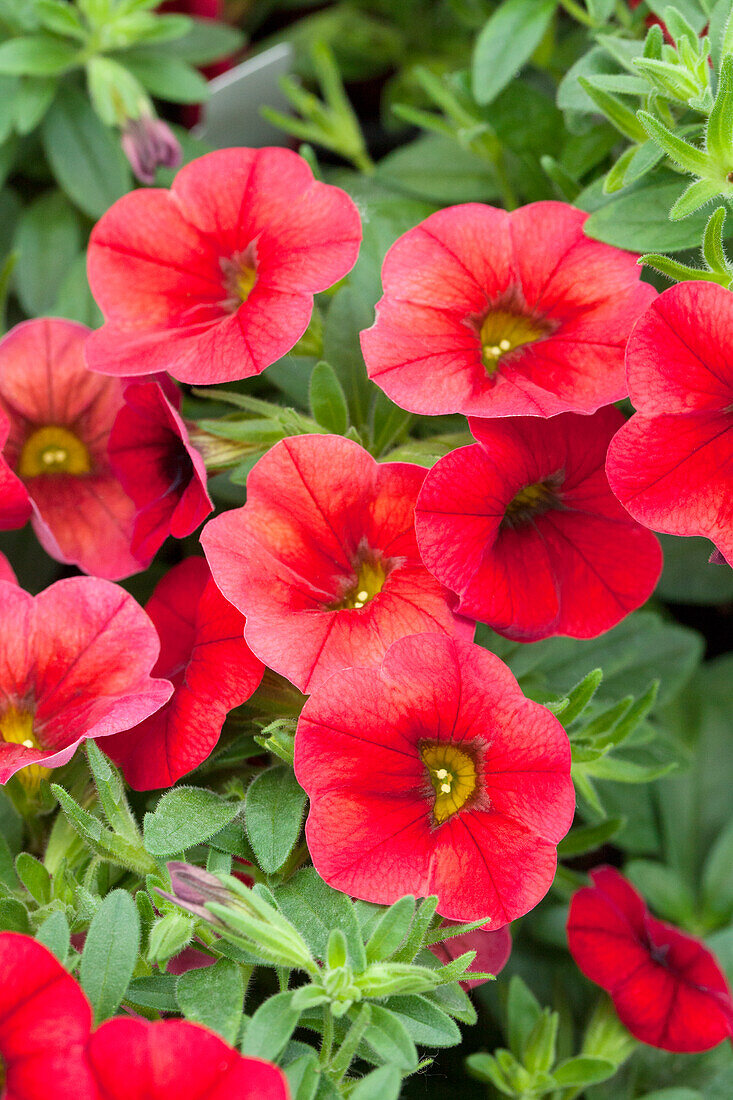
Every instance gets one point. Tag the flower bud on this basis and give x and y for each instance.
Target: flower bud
(149, 143)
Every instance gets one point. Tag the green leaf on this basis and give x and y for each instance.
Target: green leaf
(388, 1039)
(583, 1071)
(315, 908)
(271, 1027)
(206, 41)
(664, 889)
(383, 1083)
(273, 815)
(167, 78)
(14, 916)
(37, 55)
(437, 169)
(327, 399)
(638, 218)
(541, 1046)
(617, 113)
(391, 929)
(523, 1013)
(34, 877)
(103, 841)
(687, 576)
(48, 240)
(11, 824)
(717, 879)
(685, 155)
(55, 935)
(110, 953)
(84, 155)
(586, 838)
(213, 996)
(75, 300)
(506, 42)
(424, 1022)
(184, 817)
(32, 100)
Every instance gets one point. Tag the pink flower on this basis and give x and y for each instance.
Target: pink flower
(149, 144)
(55, 421)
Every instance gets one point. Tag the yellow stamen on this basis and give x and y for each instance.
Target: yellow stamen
(371, 574)
(503, 331)
(452, 774)
(16, 728)
(53, 450)
(533, 500)
(244, 282)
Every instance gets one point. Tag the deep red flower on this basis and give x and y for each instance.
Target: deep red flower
(492, 952)
(523, 525)
(158, 468)
(323, 561)
(504, 314)
(55, 420)
(214, 279)
(74, 663)
(139, 1060)
(667, 988)
(213, 670)
(671, 464)
(434, 775)
(45, 1021)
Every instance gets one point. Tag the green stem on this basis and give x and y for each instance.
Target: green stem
(577, 13)
(327, 1046)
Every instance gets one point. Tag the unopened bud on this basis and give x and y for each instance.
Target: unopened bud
(149, 144)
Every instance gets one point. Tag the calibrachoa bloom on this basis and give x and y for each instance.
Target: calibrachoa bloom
(523, 525)
(214, 279)
(55, 420)
(323, 561)
(671, 464)
(503, 314)
(213, 670)
(74, 663)
(492, 951)
(142, 1060)
(434, 775)
(667, 988)
(158, 467)
(45, 1021)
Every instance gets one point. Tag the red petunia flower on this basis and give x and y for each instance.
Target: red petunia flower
(213, 670)
(434, 775)
(523, 525)
(214, 279)
(492, 952)
(667, 988)
(45, 1021)
(323, 561)
(158, 468)
(503, 314)
(74, 663)
(671, 464)
(139, 1060)
(55, 420)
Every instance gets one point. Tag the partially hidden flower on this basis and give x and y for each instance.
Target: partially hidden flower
(671, 464)
(433, 774)
(492, 313)
(524, 527)
(45, 1021)
(322, 559)
(135, 1059)
(55, 419)
(213, 670)
(75, 663)
(492, 948)
(7, 572)
(666, 986)
(214, 279)
(150, 144)
(158, 467)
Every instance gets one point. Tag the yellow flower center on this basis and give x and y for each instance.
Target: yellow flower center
(533, 500)
(502, 332)
(53, 450)
(16, 728)
(452, 774)
(240, 276)
(371, 574)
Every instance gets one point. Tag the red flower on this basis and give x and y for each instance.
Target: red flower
(213, 670)
(139, 1060)
(45, 1021)
(323, 561)
(525, 527)
(214, 279)
(434, 775)
(55, 420)
(667, 988)
(492, 952)
(500, 314)
(74, 663)
(158, 467)
(6, 570)
(671, 464)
